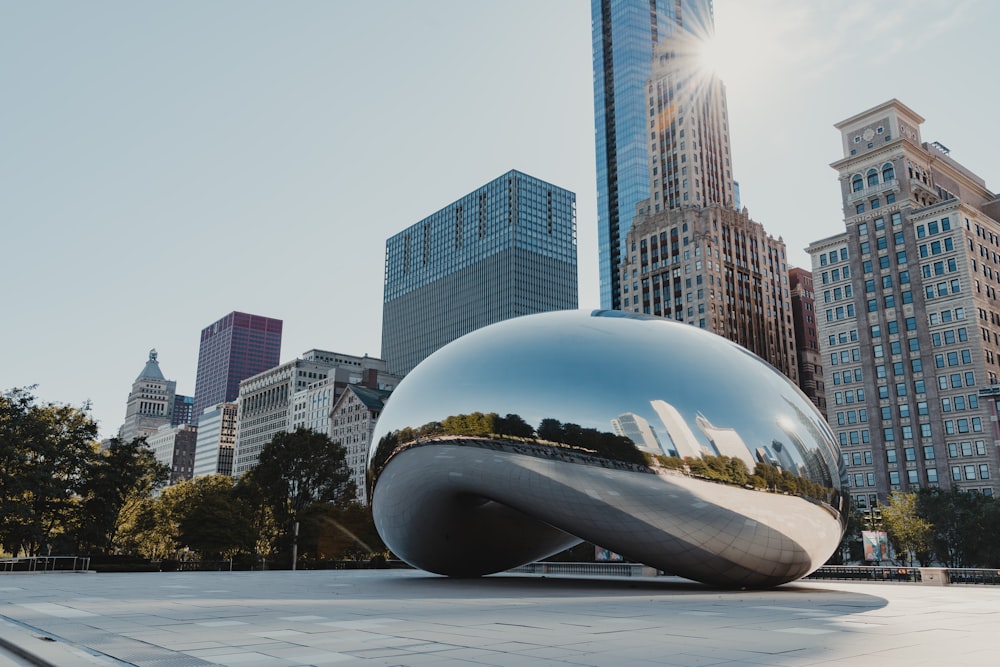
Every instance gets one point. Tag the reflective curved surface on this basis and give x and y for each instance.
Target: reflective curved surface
(658, 441)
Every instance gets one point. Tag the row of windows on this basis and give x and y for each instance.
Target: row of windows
(889, 301)
(836, 274)
(878, 224)
(883, 262)
(887, 282)
(846, 377)
(838, 293)
(843, 337)
(852, 417)
(933, 228)
(871, 178)
(875, 203)
(840, 312)
(919, 387)
(936, 247)
(958, 473)
(832, 256)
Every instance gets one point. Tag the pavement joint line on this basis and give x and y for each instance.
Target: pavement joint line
(16, 648)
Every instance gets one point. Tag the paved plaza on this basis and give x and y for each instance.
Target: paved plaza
(405, 617)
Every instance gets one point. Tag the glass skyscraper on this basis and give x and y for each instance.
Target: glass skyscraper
(625, 34)
(504, 250)
(234, 348)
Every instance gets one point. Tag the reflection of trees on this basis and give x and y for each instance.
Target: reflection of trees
(571, 437)
(732, 470)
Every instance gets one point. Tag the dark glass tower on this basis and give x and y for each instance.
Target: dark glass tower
(505, 250)
(625, 33)
(232, 349)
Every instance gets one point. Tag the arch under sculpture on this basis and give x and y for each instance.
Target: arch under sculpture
(658, 441)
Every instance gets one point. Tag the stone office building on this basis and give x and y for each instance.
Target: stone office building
(909, 320)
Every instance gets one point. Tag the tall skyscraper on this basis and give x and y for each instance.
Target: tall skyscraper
(689, 254)
(504, 250)
(626, 36)
(150, 403)
(234, 348)
(908, 312)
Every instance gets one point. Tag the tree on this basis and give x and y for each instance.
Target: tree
(203, 515)
(213, 521)
(909, 533)
(295, 470)
(122, 476)
(957, 518)
(45, 450)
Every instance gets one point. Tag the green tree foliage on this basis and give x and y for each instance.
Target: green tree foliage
(204, 516)
(45, 451)
(601, 443)
(120, 479)
(295, 470)
(964, 526)
(726, 469)
(213, 521)
(909, 533)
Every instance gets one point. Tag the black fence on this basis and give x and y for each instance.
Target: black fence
(973, 576)
(867, 573)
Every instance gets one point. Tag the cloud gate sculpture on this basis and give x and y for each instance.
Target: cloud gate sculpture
(656, 440)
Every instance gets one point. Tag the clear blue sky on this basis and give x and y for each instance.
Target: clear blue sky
(162, 164)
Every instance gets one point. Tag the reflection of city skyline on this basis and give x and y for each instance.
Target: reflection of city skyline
(640, 432)
(788, 453)
(727, 441)
(685, 442)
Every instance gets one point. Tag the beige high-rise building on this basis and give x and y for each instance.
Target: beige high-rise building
(908, 314)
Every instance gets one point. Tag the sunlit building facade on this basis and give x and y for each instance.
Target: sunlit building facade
(507, 249)
(626, 35)
(908, 312)
(717, 269)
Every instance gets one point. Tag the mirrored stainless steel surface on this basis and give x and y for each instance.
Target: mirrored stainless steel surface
(658, 441)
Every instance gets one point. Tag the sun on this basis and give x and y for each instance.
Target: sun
(711, 54)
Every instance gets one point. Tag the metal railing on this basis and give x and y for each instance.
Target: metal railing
(867, 573)
(45, 564)
(973, 576)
